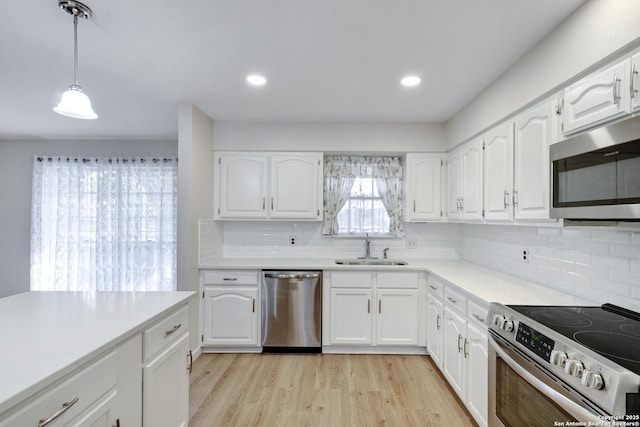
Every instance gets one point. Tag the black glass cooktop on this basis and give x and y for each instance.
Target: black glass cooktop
(611, 331)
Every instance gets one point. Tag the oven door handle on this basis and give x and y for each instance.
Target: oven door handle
(579, 412)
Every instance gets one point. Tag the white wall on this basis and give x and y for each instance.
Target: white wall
(16, 164)
(195, 200)
(592, 34)
(330, 137)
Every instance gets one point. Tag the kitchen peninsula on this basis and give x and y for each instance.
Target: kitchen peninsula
(84, 356)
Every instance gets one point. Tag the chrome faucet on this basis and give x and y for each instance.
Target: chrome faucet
(367, 248)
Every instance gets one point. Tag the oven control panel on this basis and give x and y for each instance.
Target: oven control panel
(535, 342)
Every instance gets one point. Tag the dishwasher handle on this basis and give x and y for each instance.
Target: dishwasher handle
(292, 275)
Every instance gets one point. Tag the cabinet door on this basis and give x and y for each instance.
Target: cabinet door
(454, 192)
(230, 316)
(435, 322)
(296, 186)
(472, 181)
(635, 82)
(243, 186)
(498, 173)
(351, 317)
(397, 317)
(476, 352)
(165, 400)
(454, 366)
(599, 97)
(100, 414)
(534, 132)
(423, 187)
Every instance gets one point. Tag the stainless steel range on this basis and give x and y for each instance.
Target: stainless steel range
(558, 366)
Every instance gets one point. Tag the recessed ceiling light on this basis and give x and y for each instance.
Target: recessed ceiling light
(256, 80)
(410, 81)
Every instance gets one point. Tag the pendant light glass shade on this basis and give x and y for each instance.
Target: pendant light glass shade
(75, 103)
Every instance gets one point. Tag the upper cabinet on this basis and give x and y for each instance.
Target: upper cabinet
(498, 173)
(535, 130)
(465, 168)
(423, 183)
(261, 185)
(597, 98)
(635, 82)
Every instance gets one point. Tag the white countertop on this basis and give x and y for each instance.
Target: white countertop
(484, 284)
(46, 335)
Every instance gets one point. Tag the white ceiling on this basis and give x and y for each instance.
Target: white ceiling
(325, 60)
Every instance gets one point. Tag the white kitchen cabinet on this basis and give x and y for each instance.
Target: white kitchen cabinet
(535, 130)
(374, 309)
(600, 97)
(498, 173)
(634, 83)
(397, 317)
(465, 168)
(454, 185)
(351, 316)
(435, 336)
(423, 187)
(454, 366)
(230, 309)
(296, 186)
(262, 185)
(230, 316)
(475, 349)
(166, 391)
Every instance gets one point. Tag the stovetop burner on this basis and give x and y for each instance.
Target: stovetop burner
(610, 331)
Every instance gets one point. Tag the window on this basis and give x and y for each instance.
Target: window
(362, 195)
(102, 224)
(364, 211)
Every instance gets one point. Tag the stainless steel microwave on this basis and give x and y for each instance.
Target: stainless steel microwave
(596, 175)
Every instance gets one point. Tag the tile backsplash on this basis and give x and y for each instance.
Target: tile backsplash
(602, 265)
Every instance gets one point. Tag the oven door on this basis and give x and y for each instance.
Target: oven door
(522, 395)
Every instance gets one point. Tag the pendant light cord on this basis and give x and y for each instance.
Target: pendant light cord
(75, 49)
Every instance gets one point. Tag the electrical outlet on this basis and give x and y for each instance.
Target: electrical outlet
(411, 244)
(292, 240)
(525, 255)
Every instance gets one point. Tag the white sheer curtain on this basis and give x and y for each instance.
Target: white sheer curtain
(104, 224)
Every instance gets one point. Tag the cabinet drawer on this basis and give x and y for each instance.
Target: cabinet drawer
(165, 332)
(87, 386)
(398, 280)
(477, 313)
(435, 287)
(455, 300)
(230, 277)
(351, 279)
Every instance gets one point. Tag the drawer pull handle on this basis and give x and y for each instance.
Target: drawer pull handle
(438, 322)
(453, 300)
(379, 306)
(466, 352)
(368, 306)
(433, 287)
(459, 344)
(253, 306)
(481, 319)
(190, 361)
(230, 279)
(172, 330)
(65, 407)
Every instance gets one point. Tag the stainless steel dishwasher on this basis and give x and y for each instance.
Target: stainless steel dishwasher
(291, 310)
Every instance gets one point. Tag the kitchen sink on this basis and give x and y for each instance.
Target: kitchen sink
(370, 261)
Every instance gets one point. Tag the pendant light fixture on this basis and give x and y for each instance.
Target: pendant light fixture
(75, 103)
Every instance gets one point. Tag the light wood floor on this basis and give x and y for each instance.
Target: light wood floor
(321, 390)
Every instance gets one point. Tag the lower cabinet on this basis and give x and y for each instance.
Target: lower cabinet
(458, 345)
(230, 316)
(375, 309)
(230, 310)
(166, 386)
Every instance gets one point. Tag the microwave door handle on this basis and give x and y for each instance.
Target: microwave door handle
(565, 403)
